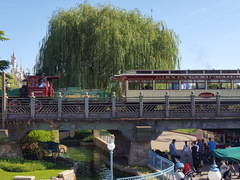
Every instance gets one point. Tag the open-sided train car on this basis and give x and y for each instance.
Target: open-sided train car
(179, 83)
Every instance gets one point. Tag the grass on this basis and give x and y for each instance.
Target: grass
(43, 174)
(10, 167)
(143, 170)
(187, 131)
(23, 165)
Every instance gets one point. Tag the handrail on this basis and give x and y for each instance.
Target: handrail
(165, 167)
(33, 108)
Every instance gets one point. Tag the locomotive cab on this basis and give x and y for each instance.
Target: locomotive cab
(41, 86)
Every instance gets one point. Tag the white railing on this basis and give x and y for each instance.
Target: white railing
(165, 167)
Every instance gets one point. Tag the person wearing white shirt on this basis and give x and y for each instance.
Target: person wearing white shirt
(186, 151)
(42, 83)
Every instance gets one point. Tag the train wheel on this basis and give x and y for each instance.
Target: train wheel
(14, 105)
(38, 105)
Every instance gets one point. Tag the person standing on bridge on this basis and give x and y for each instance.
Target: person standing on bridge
(173, 150)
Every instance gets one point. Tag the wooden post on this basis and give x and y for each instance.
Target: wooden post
(4, 101)
(218, 99)
(86, 100)
(167, 104)
(113, 104)
(192, 104)
(59, 105)
(32, 103)
(141, 104)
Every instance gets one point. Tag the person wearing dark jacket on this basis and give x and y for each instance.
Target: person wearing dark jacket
(197, 165)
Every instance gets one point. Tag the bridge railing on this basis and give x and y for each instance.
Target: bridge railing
(164, 166)
(138, 107)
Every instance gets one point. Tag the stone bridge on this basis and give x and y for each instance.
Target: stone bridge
(133, 124)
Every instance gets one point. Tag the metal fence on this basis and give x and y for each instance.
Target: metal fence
(165, 167)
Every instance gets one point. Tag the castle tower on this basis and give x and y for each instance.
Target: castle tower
(18, 74)
(14, 64)
(21, 72)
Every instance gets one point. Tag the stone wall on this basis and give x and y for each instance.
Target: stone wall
(65, 175)
(138, 155)
(100, 143)
(10, 150)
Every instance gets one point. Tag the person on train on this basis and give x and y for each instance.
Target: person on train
(42, 83)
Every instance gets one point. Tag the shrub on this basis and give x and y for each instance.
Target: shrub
(80, 134)
(29, 143)
(40, 135)
(88, 138)
(22, 165)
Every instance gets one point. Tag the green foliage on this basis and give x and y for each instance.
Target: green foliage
(88, 138)
(88, 45)
(4, 65)
(143, 170)
(80, 134)
(2, 38)
(22, 165)
(10, 78)
(29, 143)
(41, 135)
(41, 174)
(187, 131)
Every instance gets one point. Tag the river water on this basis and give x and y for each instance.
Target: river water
(91, 160)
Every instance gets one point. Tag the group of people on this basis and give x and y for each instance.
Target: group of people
(199, 151)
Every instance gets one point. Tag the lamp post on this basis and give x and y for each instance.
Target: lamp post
(214, 173)
(111, 147)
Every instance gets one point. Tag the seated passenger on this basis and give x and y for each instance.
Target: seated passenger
(175, 86)
(145, 87)
(42, 83)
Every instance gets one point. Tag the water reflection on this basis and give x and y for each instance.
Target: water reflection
(91, 160)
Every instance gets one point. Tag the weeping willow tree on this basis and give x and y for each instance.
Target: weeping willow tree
(87, 45)
(2, 38)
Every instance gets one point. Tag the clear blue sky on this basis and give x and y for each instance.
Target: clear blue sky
(209, 30)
